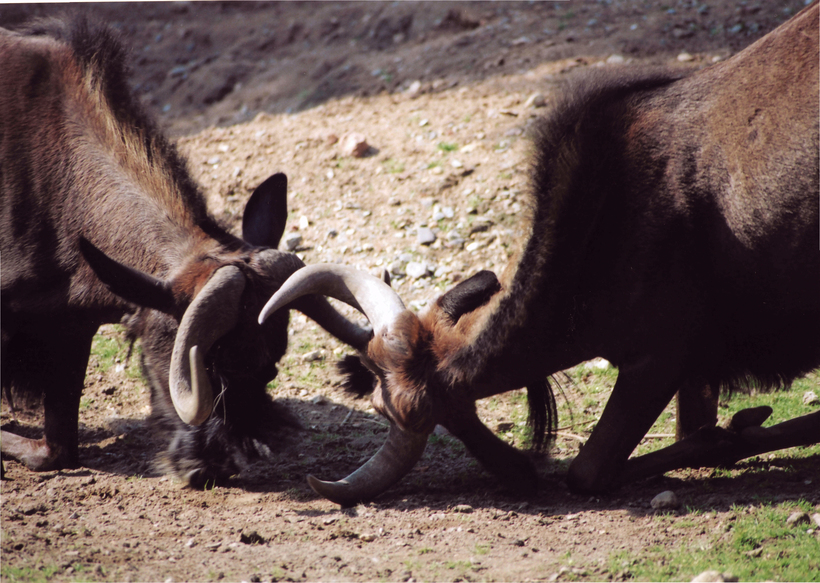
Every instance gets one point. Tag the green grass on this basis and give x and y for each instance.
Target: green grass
(11, 574)
(393, 166)
(111, 350)
(759, 546)
(447, 146)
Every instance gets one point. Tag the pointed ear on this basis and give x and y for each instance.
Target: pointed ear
(266, 212)
(130, 284)
(469, 295)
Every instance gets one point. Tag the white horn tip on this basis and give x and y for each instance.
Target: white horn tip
(337, 492)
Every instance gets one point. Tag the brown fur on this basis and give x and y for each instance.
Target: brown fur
(80, 162)
(673, 229)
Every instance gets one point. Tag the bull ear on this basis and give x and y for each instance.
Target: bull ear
(130, 284)
(266, 212)
(469, 295)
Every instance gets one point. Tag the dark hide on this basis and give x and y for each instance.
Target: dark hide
(101, 222)
(674, 232)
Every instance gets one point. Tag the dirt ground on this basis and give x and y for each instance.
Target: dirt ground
(443, 93)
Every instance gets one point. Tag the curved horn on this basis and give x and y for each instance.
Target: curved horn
(368, 294)
(214, 311)
(390, 464)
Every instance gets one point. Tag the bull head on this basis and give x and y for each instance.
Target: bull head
(217, 304)
(414, 406)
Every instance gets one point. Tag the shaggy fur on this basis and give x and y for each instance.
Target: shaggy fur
(101, 222)
(673, 230)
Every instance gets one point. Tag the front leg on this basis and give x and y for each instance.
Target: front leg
(509, 465)
(58, 375)
(638, 398)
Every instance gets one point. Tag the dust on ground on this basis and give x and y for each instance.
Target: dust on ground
(444, 94)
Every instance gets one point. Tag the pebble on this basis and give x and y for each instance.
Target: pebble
(798, 518)
(665, 501)
(304, 222)
(413, 88)
(685, 58)
(816, 519)
(714, 577)
(416, 269)
(425, 236)
(615, 60)
(292, 241)
(463, 508)
(810, 398)
(368, 538)
(534, 100)
(319, 400)
(354, 144)
(398, 267)
(312, 356)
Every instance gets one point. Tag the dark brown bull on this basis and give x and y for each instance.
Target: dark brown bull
(86, 178)
(674, 232)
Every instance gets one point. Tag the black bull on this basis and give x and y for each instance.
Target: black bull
(674, 232)
(101, 222)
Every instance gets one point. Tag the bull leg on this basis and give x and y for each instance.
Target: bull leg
(716, 446)
(61, 376)
(509, 465)
(697, 406)
(638, 398)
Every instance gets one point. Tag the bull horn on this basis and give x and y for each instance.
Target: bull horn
(370, 295)
(214, 311)
(391, 463)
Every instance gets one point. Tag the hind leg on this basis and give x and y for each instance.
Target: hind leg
(59, 377)
(697, 406)
(638, 398)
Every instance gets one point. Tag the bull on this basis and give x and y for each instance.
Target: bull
(101, 222)
(673, 231)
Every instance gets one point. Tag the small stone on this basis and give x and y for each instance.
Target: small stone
(304, 222)
(191, 543)
(354, 144)
(425, 236)
(319, 400)
(534, 100)
(810, 398)
(416, 269)
(615, 60)
(463, 508)
(815, 518)
(398, 267)
(214, 160)
(685, 58)
(331, 139)
(312, 356)
(413, 88)
(292, 241)
(798, 518)
(368, 538)
(714, 577)
(665, 501)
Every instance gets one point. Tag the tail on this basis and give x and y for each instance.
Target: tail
(543, 417)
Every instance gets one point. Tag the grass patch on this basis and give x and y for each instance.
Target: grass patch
(28, 574)
(392, 166)
(760, 547)
(447, 146)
